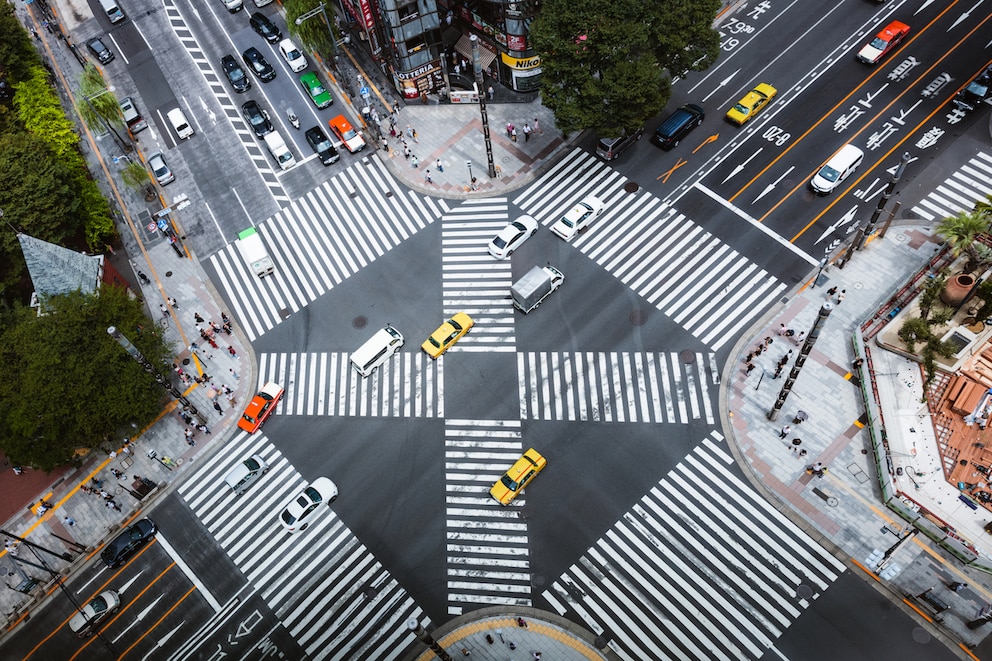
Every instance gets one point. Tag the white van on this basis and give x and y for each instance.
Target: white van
(179, 123)
(377, 350)
(114, 12)
(245, 473)
(840, 166)
(279, 150)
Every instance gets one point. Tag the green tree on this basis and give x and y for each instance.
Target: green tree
(65, 384)
(961, 233)
(17, 53)
(683, 34)
(97, 104)
(41, 113)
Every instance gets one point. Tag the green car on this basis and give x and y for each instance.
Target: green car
(311, 83)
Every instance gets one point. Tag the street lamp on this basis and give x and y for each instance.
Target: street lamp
(321, 9)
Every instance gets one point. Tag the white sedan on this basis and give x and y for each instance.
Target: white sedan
(512, 237)
(578, 217)
(298, 512)
(294, 58)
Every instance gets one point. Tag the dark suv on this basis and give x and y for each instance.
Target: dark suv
(261, 24)
(321, 146)
(257, 118)
(257, 63)
(671, 131)
(235, 74)
(976, 92)
(100, 50)
(609, 148)
(128, 542)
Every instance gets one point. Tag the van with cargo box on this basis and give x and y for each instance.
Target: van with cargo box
(535, 286)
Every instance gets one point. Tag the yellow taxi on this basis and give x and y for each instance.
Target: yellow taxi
(261, 407)
(519, 476)
(751, 104)
(450, 332)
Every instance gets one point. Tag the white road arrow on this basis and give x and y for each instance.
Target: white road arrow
(924, 6)
(162, 641)
(965, 15)
(770, 187)
(723, 83)
(848, 217)
(139, 618)
(741, 166)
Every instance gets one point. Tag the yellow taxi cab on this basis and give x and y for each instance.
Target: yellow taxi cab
(261, 407)
(450, 332)
(751, 104)
(519, 476)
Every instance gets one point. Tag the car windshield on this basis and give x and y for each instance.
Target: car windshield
(288, 518)
(454, 324)
(98, 605)
(324, 145)
(879, 43)
(349, 134)
(978, 88)
(236, 74)
(434, 342)
(251, 464)
(317, 90)
(313, 494)
(499, 242)
(509, 484)
(742, 109)
(293, 54)
(829, 173)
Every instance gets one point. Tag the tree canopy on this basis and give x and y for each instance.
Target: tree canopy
(607, 65)
(65, 384)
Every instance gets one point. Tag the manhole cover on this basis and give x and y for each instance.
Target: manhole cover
(185, 361)
(631, 187)
(360, 321)
(638, 317)
(539, 580)
(804, 592)
(168, 274)
(921, 635)
(687, 357)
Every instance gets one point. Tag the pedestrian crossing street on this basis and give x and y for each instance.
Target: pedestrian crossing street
(324, 585)
(618, 386)
(316, 243)
(408, 385)
(691, 276)
(694, 572)
(971, 183)
(487, 546)
(472, 281)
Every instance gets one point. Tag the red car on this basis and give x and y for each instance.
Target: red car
(884, 42)
(261, 407)
(347, 134)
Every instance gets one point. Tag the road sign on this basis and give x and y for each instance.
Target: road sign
(364, 92)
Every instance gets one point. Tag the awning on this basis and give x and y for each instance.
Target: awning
(464, 46)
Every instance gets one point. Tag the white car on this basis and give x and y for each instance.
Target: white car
(298, 512)
(512, 237)
(294, 58)
(578, 217)
(85, 622)
(163, 173)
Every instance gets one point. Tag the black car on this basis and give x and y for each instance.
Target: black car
(323, 147)
(671, 131)
(976, 92)
(257, 63)
(128, 542)
(100, 50)
(265, 28)
(235, 74)
(257, 118)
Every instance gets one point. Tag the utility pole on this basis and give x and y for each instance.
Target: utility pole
(480, 90)
(161, 380)
(864, 232)
(414, 626)
(797, 367)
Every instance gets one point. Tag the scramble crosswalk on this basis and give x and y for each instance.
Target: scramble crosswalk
(323, 584)
(316, 245)
(408, 385)
(690, 275)
(971, 183)
(618, 386)
(684, 575)
(488, 557)
(472, 281)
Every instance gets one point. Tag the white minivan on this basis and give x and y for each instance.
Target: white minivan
(279, 150)
(177, 118)
(840, 166)
(377, 350)
(114, 12)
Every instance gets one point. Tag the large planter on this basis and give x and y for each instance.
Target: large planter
(957, 289)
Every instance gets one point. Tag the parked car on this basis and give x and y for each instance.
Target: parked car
(135, 122)
(610, 148)
(975, 92)
(163, 173)
(294, 58)
(521, 473)
(512, 237)
(235, 74)
(261, 407)
(98, 609)
(233, 6)
(100, 50)
(257, 118)
(128, 542)
(578, 217)
(315, 90)
(321, 146)
(752, 103)
(258, 64)
(677, 125)
(299, 512)
(265, 28)
(884, 42)
(347, 134)
(447, 334)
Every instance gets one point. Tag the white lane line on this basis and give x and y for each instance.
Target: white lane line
(189, 572)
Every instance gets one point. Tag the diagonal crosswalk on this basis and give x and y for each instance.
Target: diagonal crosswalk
(616, 386)
(473, 282)
(326, 588)
(684, 575)
(971, 183)
(409, 385)
(487, 551)
(316, 244)
(690, 275)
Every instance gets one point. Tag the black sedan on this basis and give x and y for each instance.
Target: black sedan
(257, 63)
(257, 118)
(265, 28)
(235, 74)
(128, 542)
(323, 147)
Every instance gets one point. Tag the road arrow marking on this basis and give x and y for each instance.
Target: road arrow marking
(770, 187)
(707, 141)
(848, 217)
(740, 167)
(723, 83)
(162, 641)
(139, 617)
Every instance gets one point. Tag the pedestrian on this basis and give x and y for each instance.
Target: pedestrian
(492, 93)
(748, 368)
(957, 586)
(489, 638)
(782, 329)
(526, 131)
(799, 338)
(384, 145)
(831, 292)
(749, 358)
(768, 340)
(232, 351)
(203, 428)
(841, 296)
(427, 177)
(231, 401)
(172, 302)
(217, 407)
(465, 652)
(11, 547)
(35, 34)
(537, 656)
(97, 483)
(414, 161)
(522, 623)
(212, 342)
(188, 433)
(537, 126)
(17, 470)
(68, 520)
(236, 376)
(513, 134)
(802, 452)
(197, 318)
(759, 350)
(509, 129)
(458, 68)
(217, 327)
(85, 489)
(144, 278)
(165, 312)
(439, 166)
(116, 473)
(785, 431)
(111, 505)
(406, 152)
(778, 372)
(512, 645)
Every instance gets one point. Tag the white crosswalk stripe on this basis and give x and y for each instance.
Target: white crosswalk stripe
(619, 386)
(325, 587)
(473, 282)
(315, 243)
(971, 183)
(488, 557)
(408, 385)
(684, 575)
(690, 275)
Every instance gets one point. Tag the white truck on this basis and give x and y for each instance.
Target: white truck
(528, 292)
(254, 253)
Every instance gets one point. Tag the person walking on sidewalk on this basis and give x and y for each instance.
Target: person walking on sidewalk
(841, 296)
(68, 520)
(144, 278)
(957, 586)
(748, 368)
(172, 302)
(439, 166)
(218, 408)
(526, 132)
(111, 505)
(785, 431)
(831, 292)
(427, 177)
(537, 127)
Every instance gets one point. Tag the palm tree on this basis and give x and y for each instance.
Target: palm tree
(961, 233)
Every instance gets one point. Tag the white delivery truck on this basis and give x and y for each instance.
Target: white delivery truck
(535, 286)
(253, 250)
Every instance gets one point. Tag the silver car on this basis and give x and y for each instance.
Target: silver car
(104, 605)
(163, 173)
(245, 473)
